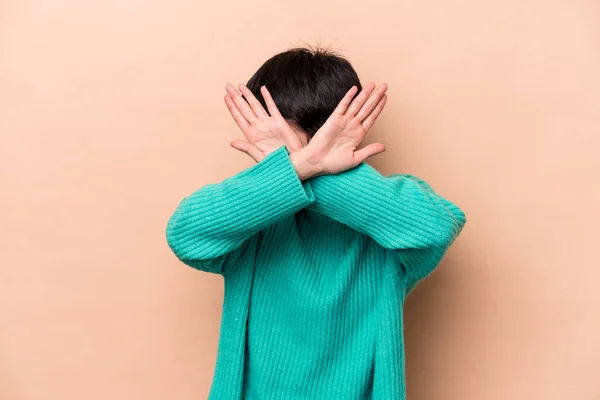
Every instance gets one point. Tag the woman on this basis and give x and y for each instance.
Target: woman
(317, 249)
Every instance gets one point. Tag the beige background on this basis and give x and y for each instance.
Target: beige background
(112, 111)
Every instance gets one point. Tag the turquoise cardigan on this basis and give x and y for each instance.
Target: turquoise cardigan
(315, 275)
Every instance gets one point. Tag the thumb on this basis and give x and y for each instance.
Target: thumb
(368, 151)
(246, 147)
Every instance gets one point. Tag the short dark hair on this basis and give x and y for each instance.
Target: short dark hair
(306, 84)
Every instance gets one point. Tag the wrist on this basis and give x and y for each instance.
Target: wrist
(305, 166)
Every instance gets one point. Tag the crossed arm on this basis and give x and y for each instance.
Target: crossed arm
(210, 228)
(401, 212)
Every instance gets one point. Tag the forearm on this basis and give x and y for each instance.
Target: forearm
(401, 212)
(218, 218)
(397, 211)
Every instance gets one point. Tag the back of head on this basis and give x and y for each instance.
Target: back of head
(306, 84)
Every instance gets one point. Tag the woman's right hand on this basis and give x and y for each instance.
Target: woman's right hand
(334, 147)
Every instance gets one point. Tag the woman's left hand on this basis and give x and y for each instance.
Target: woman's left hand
(264, 132)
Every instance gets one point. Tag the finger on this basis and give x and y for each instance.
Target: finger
(237, 116)
(343, 104)
(248, 148)
(368, 151)
(241, 104)
(253, 101)
(359, 100)
(273, 110)
(368, 122)
(372, 102)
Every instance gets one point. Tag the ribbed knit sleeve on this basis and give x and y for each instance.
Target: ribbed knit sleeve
(209, 228)
(400, 211)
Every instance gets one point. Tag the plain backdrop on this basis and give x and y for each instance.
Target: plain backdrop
(112, 111)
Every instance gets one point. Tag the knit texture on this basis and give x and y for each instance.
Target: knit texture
(315, 275)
